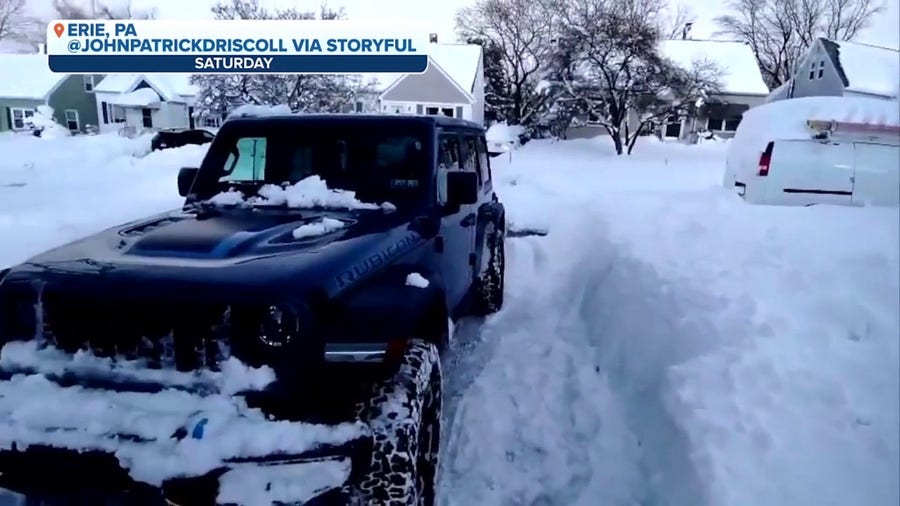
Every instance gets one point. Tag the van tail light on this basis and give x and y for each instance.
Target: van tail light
(765, 159)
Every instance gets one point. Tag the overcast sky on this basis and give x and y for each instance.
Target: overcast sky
(437, 16)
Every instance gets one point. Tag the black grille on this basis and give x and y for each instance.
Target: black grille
(167, 334)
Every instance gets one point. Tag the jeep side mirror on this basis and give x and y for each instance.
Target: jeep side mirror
(494, 154)
(462, 188)
(186, 178)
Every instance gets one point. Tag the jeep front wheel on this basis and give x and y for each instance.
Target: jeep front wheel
(404, 415)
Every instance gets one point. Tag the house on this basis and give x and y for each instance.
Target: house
(452, 85)
(741, 87)
(840, 69)
(133, 103)
(30, 84)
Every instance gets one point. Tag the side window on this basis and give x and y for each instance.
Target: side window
(449, 155)
(471, 158)
(484, 161)
(247, 162)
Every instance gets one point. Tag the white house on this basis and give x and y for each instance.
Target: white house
(134, 103)
(741, 87)
(452, 85)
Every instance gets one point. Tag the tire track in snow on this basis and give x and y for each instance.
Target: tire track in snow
(567, 404)
(538, 425)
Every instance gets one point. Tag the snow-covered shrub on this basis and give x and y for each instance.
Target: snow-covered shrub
(43, 124)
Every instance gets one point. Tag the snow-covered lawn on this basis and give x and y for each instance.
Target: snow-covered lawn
(664, 343)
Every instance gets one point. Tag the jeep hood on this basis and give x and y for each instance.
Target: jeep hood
(247, 248)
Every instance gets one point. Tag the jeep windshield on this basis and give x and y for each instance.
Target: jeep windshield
(379, 161)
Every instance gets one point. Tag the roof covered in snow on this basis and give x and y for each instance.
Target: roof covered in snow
(459, 61)
(867, 69)
(170, 86)
(27, 76)
(143, 97)
(741, 75)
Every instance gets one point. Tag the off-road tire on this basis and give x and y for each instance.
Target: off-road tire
(487, 291)
(404, 415)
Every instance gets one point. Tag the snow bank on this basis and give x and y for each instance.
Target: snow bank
(285, 484)
(55, 191)
(317, 228)
(311, 192)
(504, 133)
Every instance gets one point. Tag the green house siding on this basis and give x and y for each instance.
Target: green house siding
(71, 95)
(11, 103)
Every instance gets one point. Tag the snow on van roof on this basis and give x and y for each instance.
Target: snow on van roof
(741, 74)
(786, 119)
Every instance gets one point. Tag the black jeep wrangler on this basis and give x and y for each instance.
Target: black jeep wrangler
(284, 342)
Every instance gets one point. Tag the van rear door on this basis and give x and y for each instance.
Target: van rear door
(811, 172)
(877, 174)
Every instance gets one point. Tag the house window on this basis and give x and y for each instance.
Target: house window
(88, 82)
(20, 117)
(821, 69)
(812, 71)
(72, 120)
(447, 111)
(359, 106)
(117, 113)
(431, 111)
(104, 107)
(714, 124)
(211, 121)
(147, 117)
(731, 124)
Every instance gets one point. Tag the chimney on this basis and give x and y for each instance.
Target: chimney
(432, 38)
(686, 30)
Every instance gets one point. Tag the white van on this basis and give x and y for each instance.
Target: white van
(817, 150)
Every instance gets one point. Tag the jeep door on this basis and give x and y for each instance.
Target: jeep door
(457, 227)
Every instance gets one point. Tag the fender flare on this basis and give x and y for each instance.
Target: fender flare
(387, 308)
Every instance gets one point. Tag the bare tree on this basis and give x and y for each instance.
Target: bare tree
(97, 9)
(15, 22)
(781, 31)
(517, 34)
(676, 21)
(608, 63)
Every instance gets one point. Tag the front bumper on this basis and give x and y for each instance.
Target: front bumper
(73, 430)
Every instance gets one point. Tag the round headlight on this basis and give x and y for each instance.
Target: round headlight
(279, 326)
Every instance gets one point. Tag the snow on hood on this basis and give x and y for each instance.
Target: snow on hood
(311, 192)
(321, 227)
(139, 428)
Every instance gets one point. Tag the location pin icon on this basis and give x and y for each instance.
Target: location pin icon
(58, 29)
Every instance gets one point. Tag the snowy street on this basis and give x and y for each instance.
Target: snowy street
(664, 344)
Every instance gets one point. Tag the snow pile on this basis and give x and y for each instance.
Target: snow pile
(140, 428)
(43, 120)
(321, 227)
(20, 357)
(311, 192)
(501, 137)
(55, 191)
(417, 280)
(252, 110)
